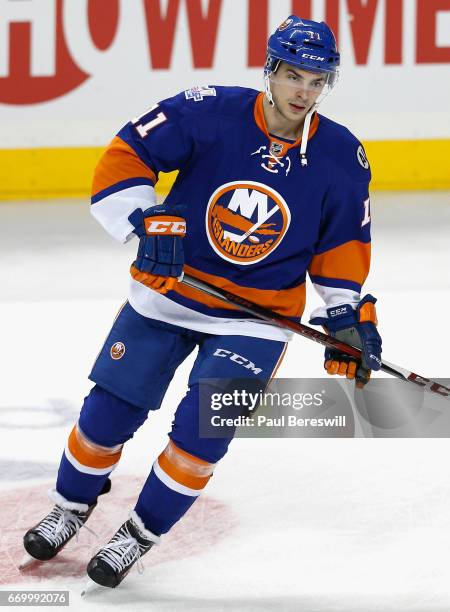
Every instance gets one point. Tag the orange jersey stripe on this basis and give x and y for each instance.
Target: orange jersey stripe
(118, 163)
(184, 468)
(349, 261)
(90, 454)
(289, 302)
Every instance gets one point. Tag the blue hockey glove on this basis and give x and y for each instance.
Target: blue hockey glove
(160, 257)
(358, 328)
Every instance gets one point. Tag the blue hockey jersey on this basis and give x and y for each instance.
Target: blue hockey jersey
(257, 220)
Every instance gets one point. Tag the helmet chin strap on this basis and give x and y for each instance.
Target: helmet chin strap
(305, 134)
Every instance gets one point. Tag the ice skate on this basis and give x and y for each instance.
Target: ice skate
(44, 541)
(114, 560)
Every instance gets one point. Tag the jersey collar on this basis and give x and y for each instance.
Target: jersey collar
(260, 120)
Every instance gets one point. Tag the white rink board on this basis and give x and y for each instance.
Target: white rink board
(407, 100)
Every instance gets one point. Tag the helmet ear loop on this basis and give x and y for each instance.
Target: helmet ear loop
(267, 89)
(271, 68)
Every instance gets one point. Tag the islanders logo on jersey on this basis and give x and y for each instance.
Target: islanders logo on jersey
(246, 221)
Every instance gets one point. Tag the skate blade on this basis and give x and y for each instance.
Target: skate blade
(90, 587)
(27, 560)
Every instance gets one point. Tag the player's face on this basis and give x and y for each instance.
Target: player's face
(295, 91)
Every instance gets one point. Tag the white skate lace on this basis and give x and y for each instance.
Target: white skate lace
(60, 525)
(122, 551)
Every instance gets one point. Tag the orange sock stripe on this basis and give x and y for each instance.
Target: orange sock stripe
(184, 468)
(90, 454)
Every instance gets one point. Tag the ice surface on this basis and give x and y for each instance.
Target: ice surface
(285, 524)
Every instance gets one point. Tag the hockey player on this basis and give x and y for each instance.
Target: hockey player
(267, 191)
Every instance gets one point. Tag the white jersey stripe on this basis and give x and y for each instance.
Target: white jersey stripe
(112, 212)
(149, 303)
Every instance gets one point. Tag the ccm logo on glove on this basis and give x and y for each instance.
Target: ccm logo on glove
(175, 226)
(376, 358)
(337, 312)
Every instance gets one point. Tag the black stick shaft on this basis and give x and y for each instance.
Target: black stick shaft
(308, 332)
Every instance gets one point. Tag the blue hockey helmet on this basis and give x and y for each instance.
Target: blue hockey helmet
(306, 44)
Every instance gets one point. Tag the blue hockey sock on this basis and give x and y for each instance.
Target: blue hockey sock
(176, 480)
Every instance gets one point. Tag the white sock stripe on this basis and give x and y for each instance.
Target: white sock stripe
(173, 484)
(149, 535)
(57, 498)
(85, 469)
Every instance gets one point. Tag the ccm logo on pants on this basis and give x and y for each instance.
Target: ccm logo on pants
(249, 365)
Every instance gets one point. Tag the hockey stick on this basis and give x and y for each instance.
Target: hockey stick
(308, 332)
